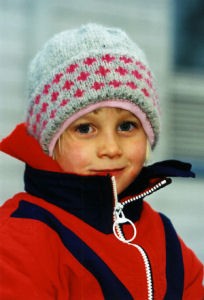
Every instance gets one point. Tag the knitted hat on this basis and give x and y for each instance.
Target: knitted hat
(83, 69)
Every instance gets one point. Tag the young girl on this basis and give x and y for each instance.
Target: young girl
(81, 229)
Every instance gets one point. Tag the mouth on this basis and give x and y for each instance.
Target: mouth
(111, 172)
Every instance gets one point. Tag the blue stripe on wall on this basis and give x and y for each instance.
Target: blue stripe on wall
(111, 286)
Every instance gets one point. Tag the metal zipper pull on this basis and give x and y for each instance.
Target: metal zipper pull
(120, 219)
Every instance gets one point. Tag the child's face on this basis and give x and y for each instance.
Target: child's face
(106, 141)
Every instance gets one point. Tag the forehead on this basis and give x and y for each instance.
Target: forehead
(110, 110)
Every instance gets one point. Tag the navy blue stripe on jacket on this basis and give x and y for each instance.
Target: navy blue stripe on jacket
(174, 262)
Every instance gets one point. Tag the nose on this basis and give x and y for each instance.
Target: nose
(109, 146)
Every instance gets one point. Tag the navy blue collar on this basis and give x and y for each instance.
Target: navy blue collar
(90, 198)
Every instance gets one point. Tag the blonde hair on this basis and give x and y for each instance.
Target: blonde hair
(58, 146)
(148, 152)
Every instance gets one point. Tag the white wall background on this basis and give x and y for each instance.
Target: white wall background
(26, 24)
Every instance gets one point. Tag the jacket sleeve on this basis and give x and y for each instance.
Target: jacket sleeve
(193, 275)
(16, 283)
(26, 262)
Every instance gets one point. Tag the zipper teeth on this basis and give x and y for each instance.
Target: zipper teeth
(147, 270)
(147, 193)
(139, 248)
(115, 194)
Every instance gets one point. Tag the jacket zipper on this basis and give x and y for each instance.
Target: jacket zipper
(119, 219)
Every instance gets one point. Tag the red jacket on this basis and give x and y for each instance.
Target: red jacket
(57, 240)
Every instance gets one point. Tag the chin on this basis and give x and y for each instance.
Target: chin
(122, 184)
(121, 187)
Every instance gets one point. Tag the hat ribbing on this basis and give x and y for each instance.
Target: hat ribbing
(81, 69)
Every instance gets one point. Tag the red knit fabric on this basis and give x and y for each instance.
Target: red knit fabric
(36, 265)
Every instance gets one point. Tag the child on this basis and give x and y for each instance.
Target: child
(81, 229)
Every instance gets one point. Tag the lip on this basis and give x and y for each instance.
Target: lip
(112, 172)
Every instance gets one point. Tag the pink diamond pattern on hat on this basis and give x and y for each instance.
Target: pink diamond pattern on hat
(68, 86)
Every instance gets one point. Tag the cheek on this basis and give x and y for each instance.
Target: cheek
(137, 154)
(72, 158)
(137, 157)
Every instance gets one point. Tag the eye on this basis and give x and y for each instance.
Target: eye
(127, 126)
(84, 128)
